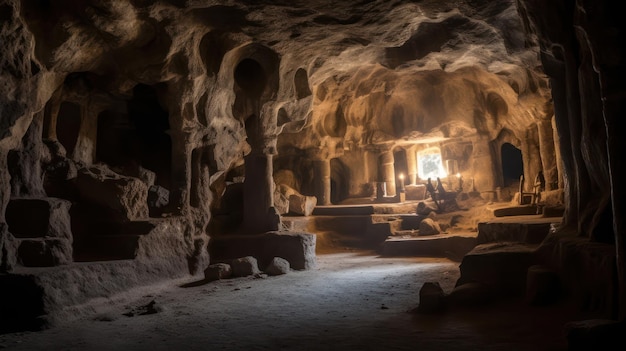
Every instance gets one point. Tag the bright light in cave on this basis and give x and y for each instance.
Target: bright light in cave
(430, 164)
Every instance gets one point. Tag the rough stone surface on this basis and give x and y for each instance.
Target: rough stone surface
(429, 227)
(158, 197)
(218, 271)
(278, 266)
(301, 204)
(244, 266)
(126, 197)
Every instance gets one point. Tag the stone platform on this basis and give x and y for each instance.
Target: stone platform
(40, 297)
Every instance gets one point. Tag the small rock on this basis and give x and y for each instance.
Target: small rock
(217, 271)
(278, 266)
(432, 298)
(429, 227)
(245, 266)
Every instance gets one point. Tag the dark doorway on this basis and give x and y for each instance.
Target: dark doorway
(339, 181)
(512, 164)
(152, 147)
(68, 126)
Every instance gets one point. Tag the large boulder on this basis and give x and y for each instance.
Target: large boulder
(125, 197)
(301, 204)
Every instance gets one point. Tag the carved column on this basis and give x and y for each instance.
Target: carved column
(483, 165)
(259, 215)
(411, 165)
(386, 172)
(548, 154)
(321, 169)
(85, 149)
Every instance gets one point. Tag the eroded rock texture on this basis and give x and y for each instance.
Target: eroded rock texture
(217, 104)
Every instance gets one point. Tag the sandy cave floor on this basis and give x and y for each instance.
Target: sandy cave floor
(353, 300)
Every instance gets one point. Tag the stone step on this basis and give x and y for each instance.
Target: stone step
(524, 210)
(523, 229)
(501, 267)
(343, 210)
(453, 246)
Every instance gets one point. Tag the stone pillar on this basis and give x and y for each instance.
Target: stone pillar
(321, 169)
(386, 172)
(85, 149)
(548, 154)
(484, 178)
(411, 165)
(259, 215)
(557, 153)
(181, 171)
(531, 157)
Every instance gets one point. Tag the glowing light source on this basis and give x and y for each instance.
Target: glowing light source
(430, 164)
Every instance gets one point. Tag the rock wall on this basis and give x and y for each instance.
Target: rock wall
(582, 50)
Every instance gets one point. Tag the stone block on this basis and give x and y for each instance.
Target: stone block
(301, 204)
(500, 266)
(44, 252)
(38, 218)
(125, 197)
(298, 248)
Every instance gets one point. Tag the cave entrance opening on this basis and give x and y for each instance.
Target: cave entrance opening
(512, 164)
(430, 164)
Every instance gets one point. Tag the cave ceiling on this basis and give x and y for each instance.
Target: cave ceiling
(336, 74)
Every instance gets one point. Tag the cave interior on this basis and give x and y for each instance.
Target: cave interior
(153, 140)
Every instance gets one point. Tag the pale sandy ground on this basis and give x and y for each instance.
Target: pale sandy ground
(352, 301)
